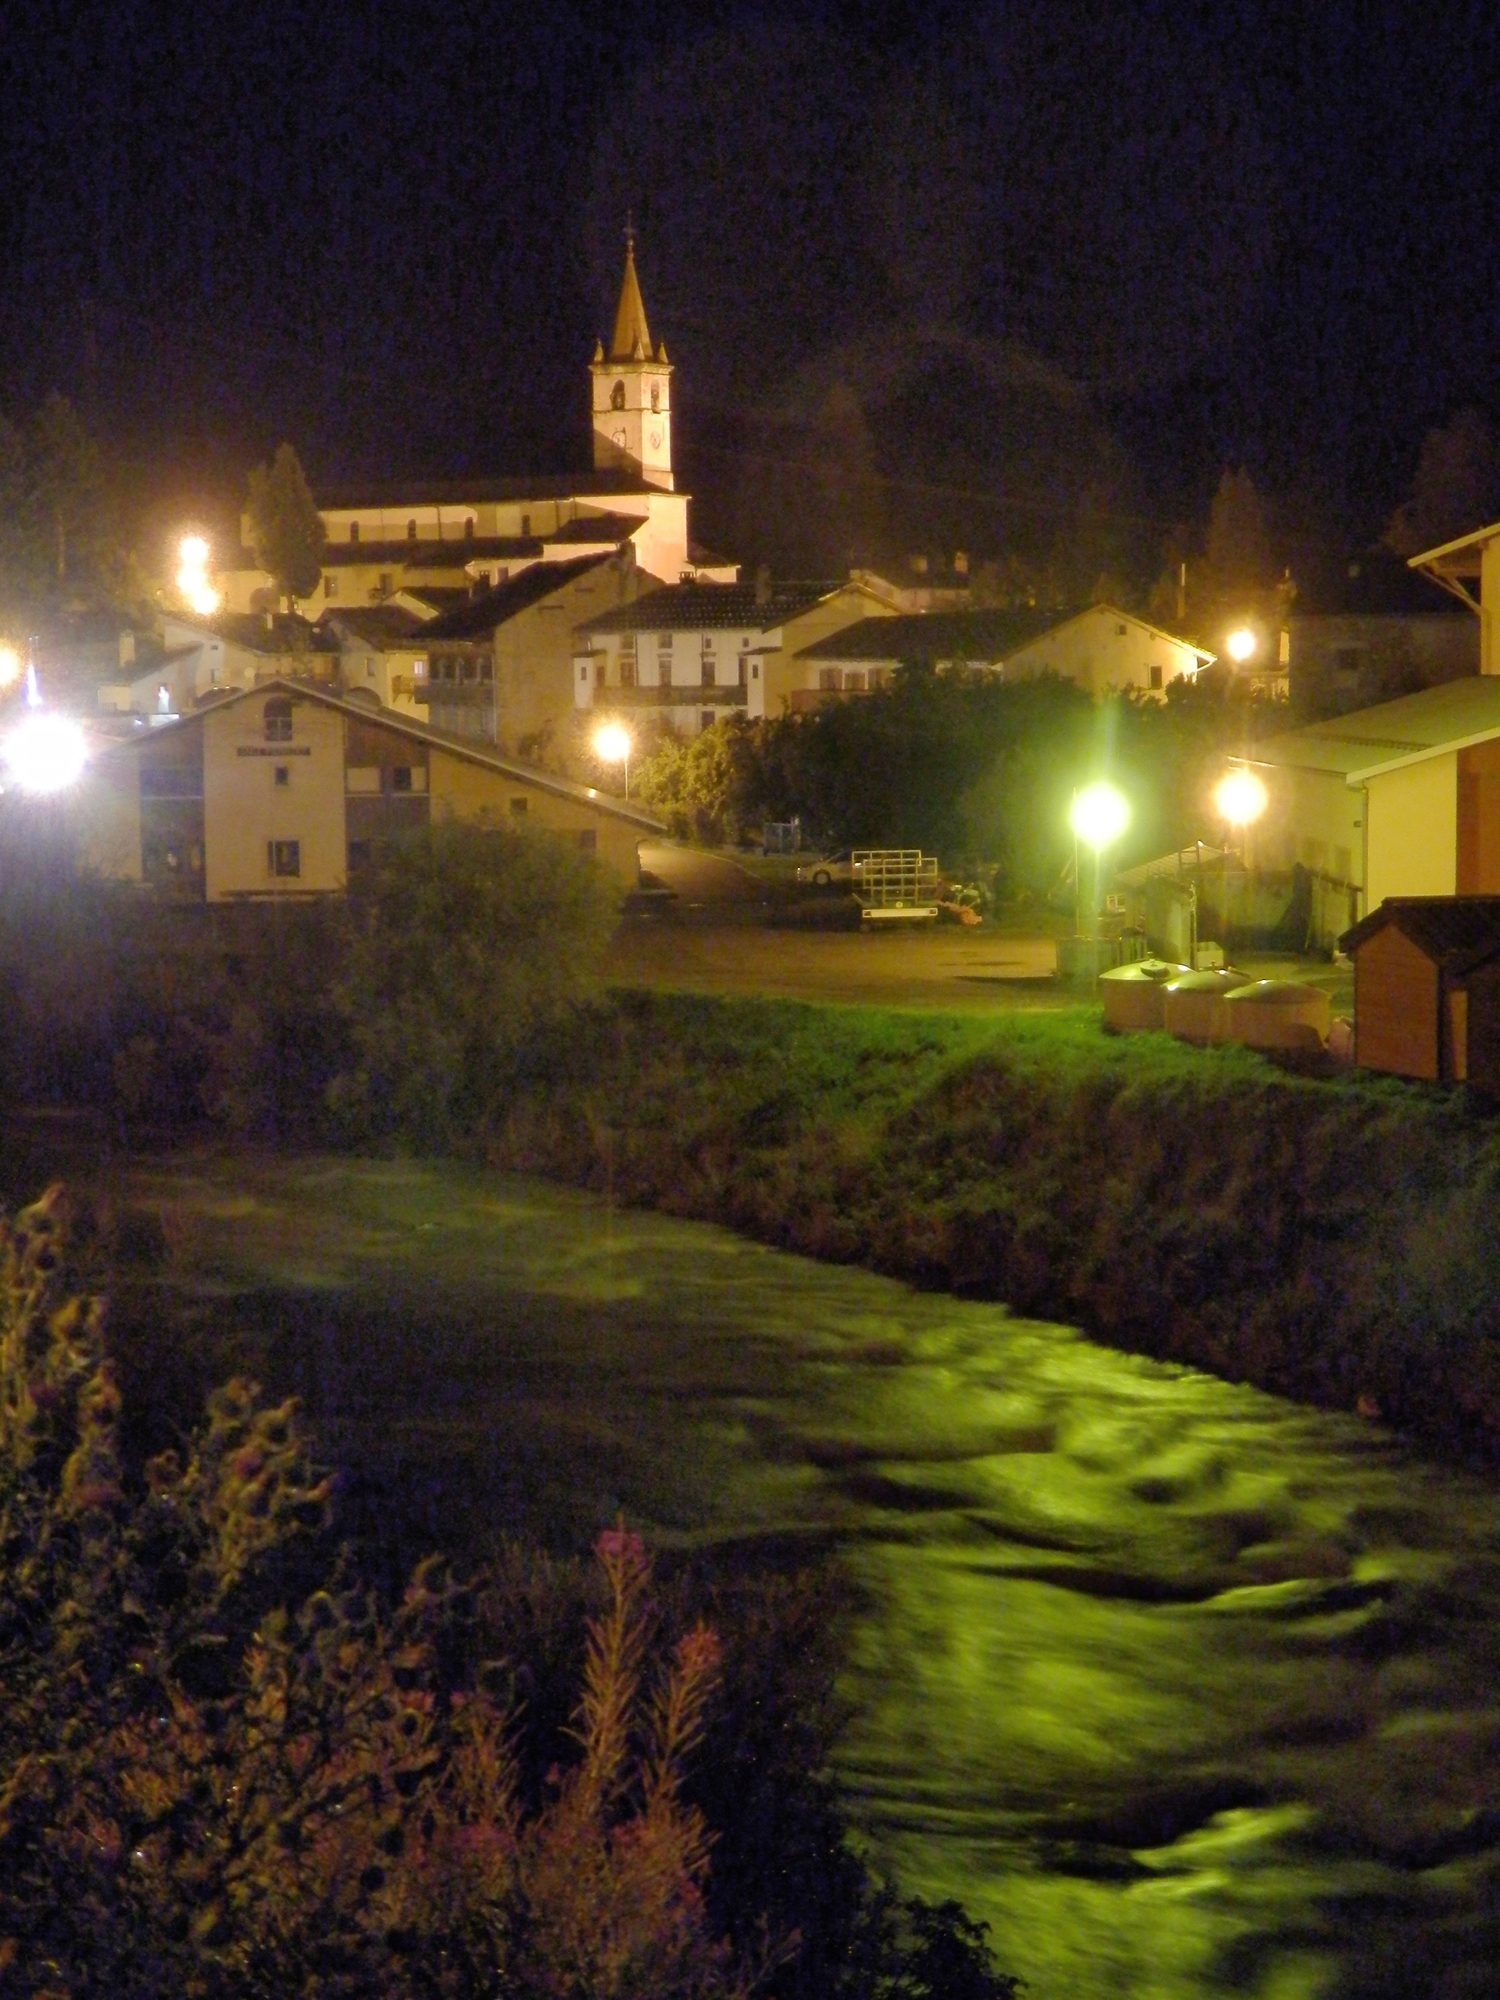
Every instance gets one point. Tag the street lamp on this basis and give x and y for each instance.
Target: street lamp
(612, 746)
(1098, 816)
(1240, 645)
(192, 577)
(1240, 799)
(45, 753)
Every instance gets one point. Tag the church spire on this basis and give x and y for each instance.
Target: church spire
(632, 337)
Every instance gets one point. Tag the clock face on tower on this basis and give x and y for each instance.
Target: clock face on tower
(656, 440)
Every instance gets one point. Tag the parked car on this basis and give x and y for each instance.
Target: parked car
(828, 869)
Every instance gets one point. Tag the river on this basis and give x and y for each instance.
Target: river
(1183, 1689)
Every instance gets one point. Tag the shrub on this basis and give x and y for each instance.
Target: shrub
(467, 943)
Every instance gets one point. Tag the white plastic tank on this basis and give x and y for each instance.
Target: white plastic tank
(1193, 1003)
(1134, 996)
(1277, 1014)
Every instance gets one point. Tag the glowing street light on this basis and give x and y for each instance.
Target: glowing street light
(192, 577)
(612, 745)
(1098, 816)
(45, 753)
(1240, 798)
(1240, 645)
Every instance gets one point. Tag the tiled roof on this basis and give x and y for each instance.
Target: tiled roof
(697, 607)
(452, 552)
(481, 615)
(1453, 931)
(481, 492)
(598, 528)
(937, 635)
(251, 630)
(420, 732)
(378, 625)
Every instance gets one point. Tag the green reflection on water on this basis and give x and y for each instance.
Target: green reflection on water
(1183, 1689)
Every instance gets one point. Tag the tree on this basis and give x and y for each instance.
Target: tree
(1239, 551)
(1456, 486)
(287, 534)
(67, 491)
(467, 940)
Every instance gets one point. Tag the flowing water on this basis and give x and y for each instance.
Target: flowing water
(1183, 1689)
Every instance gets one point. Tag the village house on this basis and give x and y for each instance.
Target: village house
(198, 659)
(1372, 632)
(1098, 649)
(280, 790)
(500, 667)
(685, 656)
(1398, 800)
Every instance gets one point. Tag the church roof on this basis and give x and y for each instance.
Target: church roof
(632, 336)
(594, 484)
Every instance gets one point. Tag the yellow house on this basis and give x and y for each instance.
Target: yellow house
(1398, 800)
(280, 791)
(1098, 649)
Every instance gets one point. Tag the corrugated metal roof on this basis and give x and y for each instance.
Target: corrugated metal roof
(1394, 732)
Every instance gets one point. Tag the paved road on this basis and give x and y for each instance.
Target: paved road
(698, 877)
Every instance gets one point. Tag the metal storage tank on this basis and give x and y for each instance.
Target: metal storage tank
(1277, 1014)
(1193, 1004)
(1134, 996)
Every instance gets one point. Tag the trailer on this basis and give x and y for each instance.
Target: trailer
(895, 885)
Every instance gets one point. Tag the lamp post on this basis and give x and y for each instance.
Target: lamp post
(192, 577)
(612, 746)
(1240, 798)
(1098, 816)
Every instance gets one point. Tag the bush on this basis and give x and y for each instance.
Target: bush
(467, 944)
(227, 1768)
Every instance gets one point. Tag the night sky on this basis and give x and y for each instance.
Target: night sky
(998, 254)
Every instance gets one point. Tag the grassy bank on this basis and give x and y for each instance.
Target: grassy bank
(1330, 1240)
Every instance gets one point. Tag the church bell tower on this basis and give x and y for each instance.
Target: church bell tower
(632, 391)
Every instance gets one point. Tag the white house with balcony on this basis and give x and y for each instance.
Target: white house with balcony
(687, 656)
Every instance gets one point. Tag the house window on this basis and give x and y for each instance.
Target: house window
(588, 839)
(411, 531)
(359, 856)
(385, 583)
(354, 531)
(282, 776)
(830, 680)
(401, 777)
(1119, 631)
(526, 524)
(330, 586)
(518, 808)
(468, 527)
(1156, 677)
(617, 396)
(284, 857)
(708, 670)
(664, 669)
(627, 668)
(369, 670)
(277, 716)
(739, 670)
(755, 670)
(583, 672)
(705, 721)
(419, 670)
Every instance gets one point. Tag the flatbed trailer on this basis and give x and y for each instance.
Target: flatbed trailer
(895, 885)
